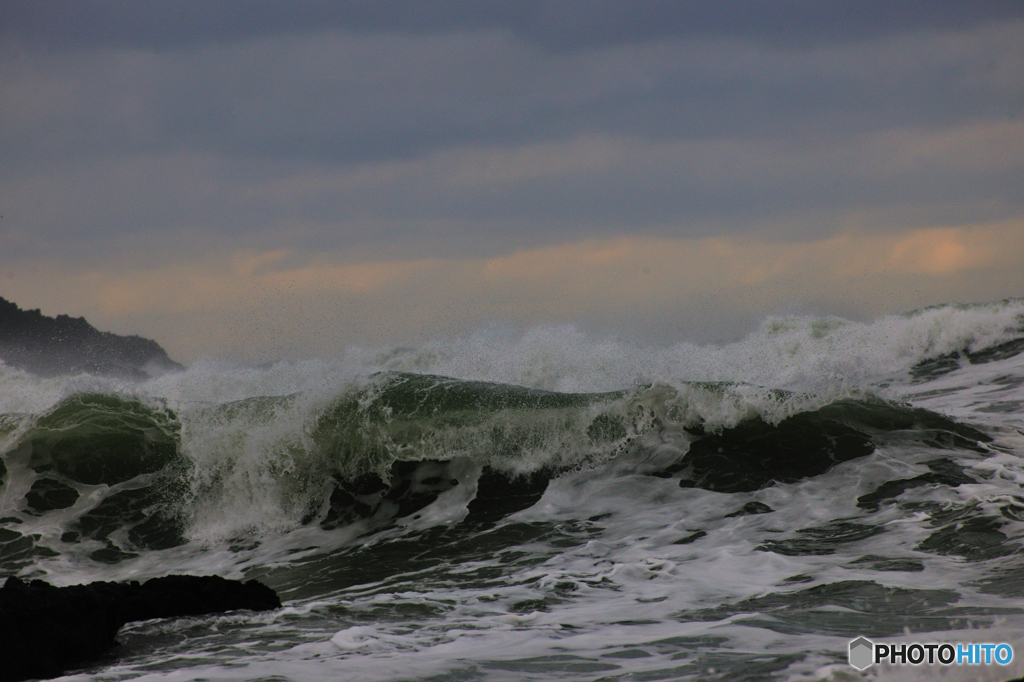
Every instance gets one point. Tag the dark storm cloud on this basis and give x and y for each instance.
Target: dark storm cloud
(350, 98)
(326, 124)
(556, 24)
(393, 165)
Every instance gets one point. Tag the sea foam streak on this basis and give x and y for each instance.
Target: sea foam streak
(547, 506)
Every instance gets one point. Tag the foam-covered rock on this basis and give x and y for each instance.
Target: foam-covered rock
(46, 630)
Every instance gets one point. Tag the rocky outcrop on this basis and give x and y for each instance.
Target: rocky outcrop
(67, 345)
(46, 630)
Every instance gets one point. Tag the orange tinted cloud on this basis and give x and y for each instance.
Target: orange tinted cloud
(281, 295)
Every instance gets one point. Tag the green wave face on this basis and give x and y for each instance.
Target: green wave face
(98, 467)
(102, 439)
(408, 417)
(119, 476)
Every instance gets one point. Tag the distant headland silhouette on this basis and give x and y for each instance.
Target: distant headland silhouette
(49, 346)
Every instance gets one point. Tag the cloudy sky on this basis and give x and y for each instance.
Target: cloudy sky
(264, 180)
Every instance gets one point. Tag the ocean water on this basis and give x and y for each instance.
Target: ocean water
(549, 506)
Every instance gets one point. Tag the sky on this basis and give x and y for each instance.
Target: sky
(263, 180)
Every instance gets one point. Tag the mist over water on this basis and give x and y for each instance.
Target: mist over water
(548, 505)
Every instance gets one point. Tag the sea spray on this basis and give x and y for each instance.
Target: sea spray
(547, 506)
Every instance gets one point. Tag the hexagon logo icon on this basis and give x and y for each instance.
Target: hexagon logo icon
(862, 653)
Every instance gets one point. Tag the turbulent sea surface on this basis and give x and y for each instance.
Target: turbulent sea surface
(550, 506)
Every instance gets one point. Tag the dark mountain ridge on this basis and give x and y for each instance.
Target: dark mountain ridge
(49, 346)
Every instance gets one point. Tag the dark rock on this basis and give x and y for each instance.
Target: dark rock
(751, 508)
(499, 494)
(66, 345)
(756, 454)
(46, 630)
(943, 472)
(932, 368)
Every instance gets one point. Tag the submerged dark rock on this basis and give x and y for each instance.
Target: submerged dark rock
(46, 630)
(756, 454)
(932, 368)
(501, 494)
(413, 485)
(65, 345)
